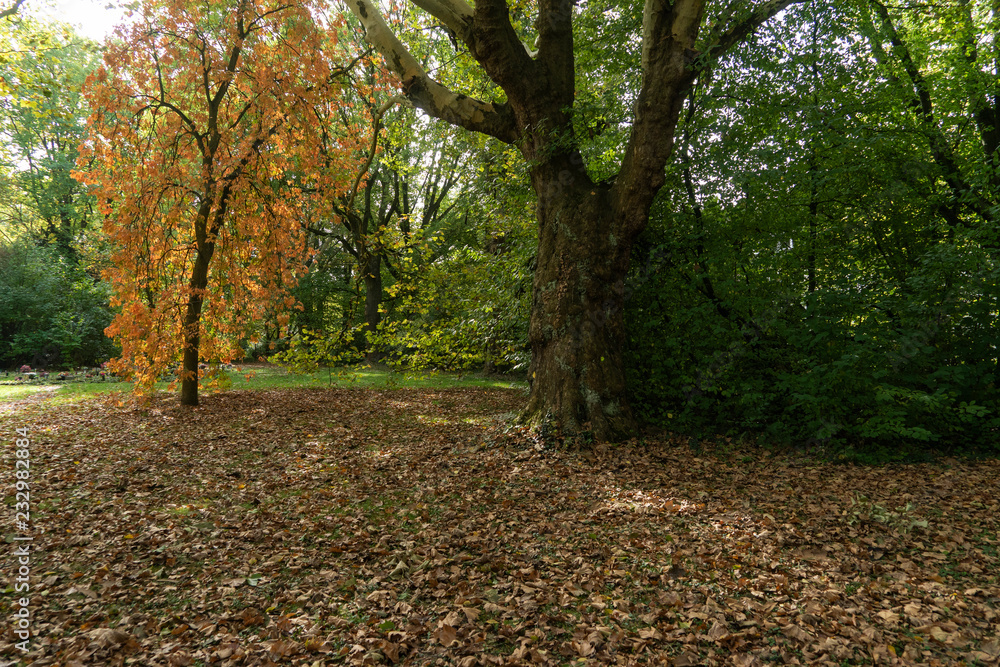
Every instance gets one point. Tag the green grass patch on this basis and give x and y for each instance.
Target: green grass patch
(366, 377)
(15, 392)
(265, 377)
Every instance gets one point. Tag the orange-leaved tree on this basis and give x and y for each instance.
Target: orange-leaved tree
(197, 144)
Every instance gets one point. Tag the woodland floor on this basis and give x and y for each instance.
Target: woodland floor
(318, 527)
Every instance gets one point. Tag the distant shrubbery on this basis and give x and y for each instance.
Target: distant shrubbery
(52, 312)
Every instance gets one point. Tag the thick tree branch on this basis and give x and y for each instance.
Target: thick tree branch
(13, 9)
(498, 49)
(670, 65)
(455, 14)
(667, 26)
(669, 33)
(555, 46)
(426, 93)
(723, 38)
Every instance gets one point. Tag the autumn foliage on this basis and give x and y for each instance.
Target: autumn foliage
(197, 149)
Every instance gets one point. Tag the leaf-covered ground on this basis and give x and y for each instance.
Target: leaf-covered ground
(316, 527)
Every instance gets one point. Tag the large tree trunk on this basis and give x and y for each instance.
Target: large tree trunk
(373, 299)
(577, 333)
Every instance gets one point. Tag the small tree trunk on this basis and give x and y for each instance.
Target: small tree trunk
(373, 299)
(192, 340)
(577, 329)
(192, 325)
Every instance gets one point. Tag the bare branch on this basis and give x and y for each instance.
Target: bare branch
(376, 127)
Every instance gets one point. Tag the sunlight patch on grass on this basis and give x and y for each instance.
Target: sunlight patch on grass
(14, 392)
(186, 509)
(427, 419)
(380, 454)
(267, 377)
(362, 377)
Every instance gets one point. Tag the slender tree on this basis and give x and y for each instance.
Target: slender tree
(42, 121)
(352, 209)
(193, 145)
(962, 131)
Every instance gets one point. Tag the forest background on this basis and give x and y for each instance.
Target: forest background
(820, 268)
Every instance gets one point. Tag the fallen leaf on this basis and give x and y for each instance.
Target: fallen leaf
(109, 637)
(718, 631)
(446, 634)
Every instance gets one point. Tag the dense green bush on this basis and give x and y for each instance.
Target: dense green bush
(52, 313)
(889, 369)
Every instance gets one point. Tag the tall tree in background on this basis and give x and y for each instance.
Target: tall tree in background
(194, 143)
(960, 120)
(396, 222)
(348, 216)
(811, 273)
(42, 122)
(586, 227)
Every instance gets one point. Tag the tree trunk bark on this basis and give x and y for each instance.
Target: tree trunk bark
(192, 316)
(373, 299)
(577, 329)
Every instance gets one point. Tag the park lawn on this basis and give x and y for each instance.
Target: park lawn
(269, 376)
(14, 392)
(315, 526)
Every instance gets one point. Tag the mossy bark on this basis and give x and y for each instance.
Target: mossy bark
(577, 333)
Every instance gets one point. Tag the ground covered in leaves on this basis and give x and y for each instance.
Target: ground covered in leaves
(319, 527)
